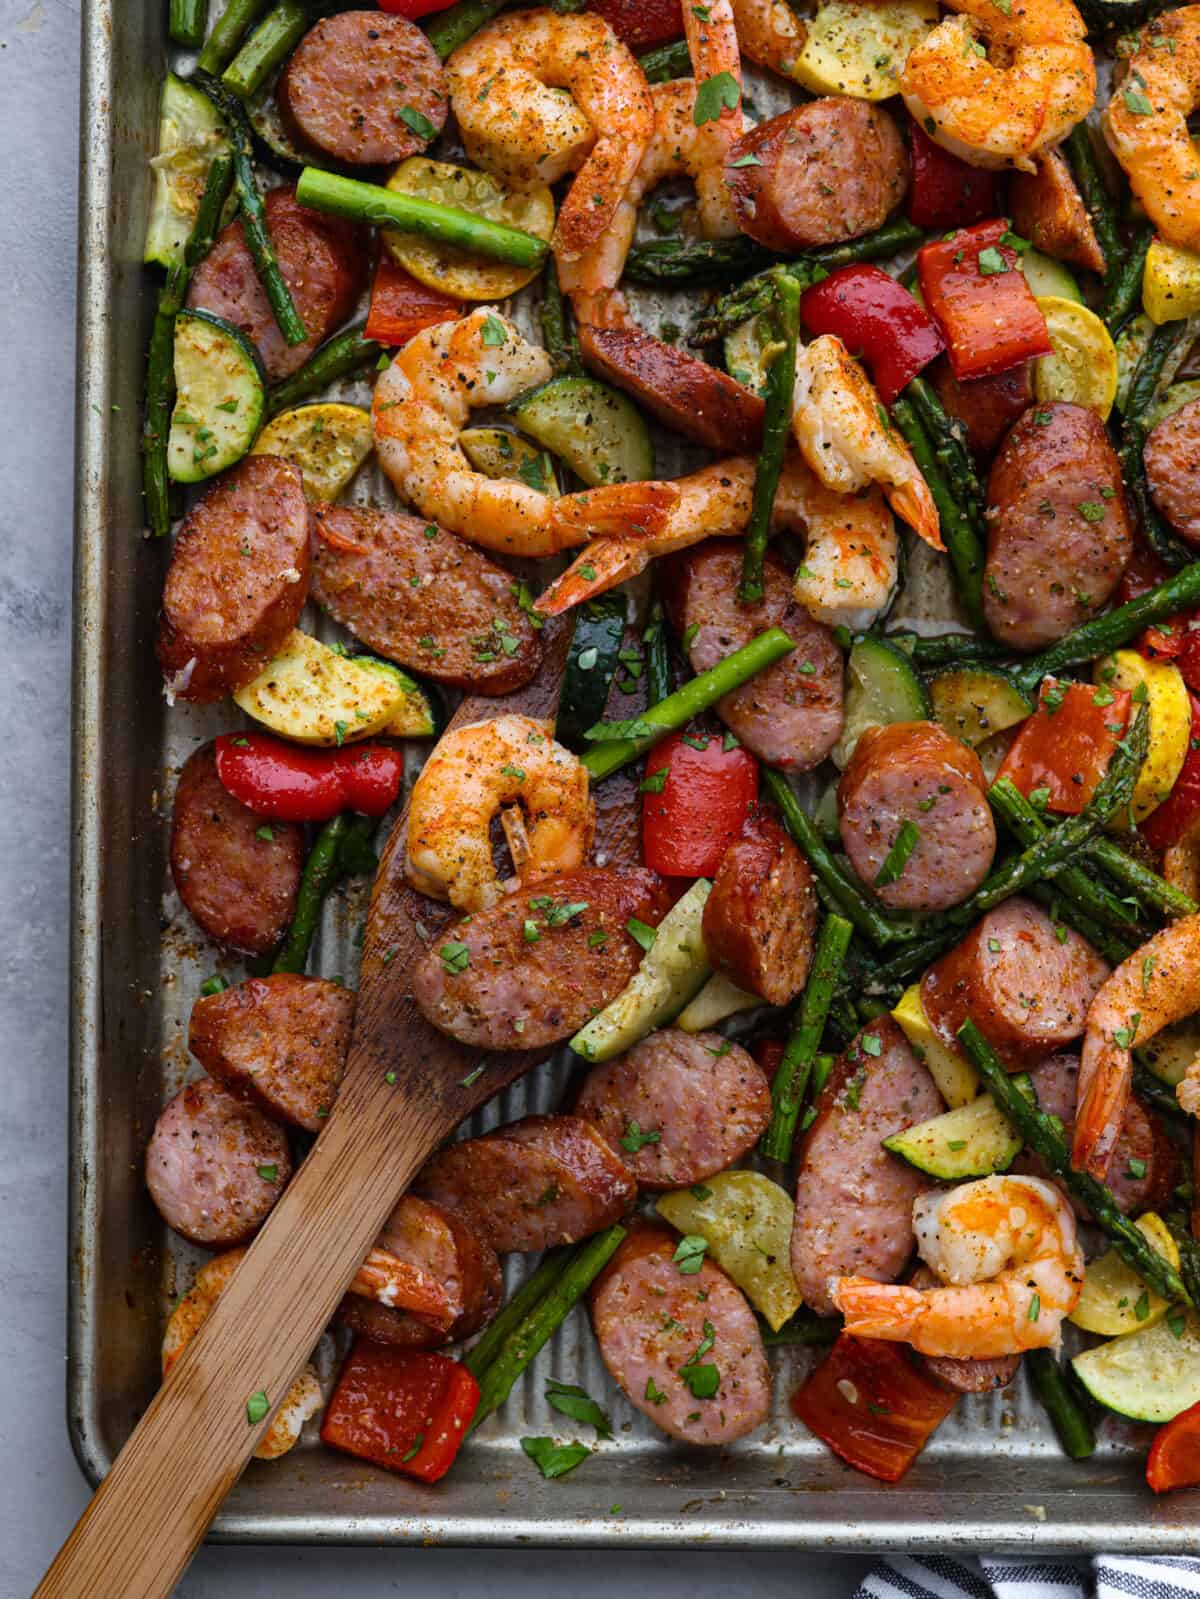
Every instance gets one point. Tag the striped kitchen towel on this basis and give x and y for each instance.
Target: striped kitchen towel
(1047, 1577)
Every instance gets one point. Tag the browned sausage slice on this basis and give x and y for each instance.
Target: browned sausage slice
(237, 581)
(853, 1200)
(360, 85)
(1172, 457)
(1048, 210)
(791, 714)
(215, 1165)
(418, 595)
(323, 264)
(761, 916)
(1025, 982)
(511, 991)
(916, 774)
(987, 407)
(539, 1182)
(1145, 1163)
(1058, 529)
(825, 171)
(655, 1325)
(282, 1040)
(437, 1241)
(682, 391)
(237, 877)
(679, 1106)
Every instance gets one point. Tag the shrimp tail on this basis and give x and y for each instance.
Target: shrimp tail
(614, 511)
(1104, 1084)
(597, 569)
(878, 1310)
(914, 502)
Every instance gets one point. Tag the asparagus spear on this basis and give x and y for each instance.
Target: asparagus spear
(1125, 286)
(160, 364)
(1097, 202)
(338, 850)
(457, 24)
(948, 435)
(963, 541)
(1070, 1420)
(658, 656)
(280, 31)
(186, 20)
(1043, 1134)
(371, 202)
(666, 62)
(228, 32)
(480, 1356)
(615, 744)
(950, 649)
(558, 334)
(777, 425)
(703, 262)
(1152, 1091)
(346, 353)
(528, 1336)
(254, 222)
(791, 1079)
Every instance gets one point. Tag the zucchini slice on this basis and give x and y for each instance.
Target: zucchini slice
(220, 397)
(591, 667)
(273, 143)
(975, 1140)
(1046, 276)
(1131, 347)
(746, 353)
(1172, 399)
(1114, 1299)
(1149, 1375)
(1083, 369)
(673, 969)
(190, 134)
(1169, 1053)
(328, 442)
(501, 453)
(957, 1080)
(974, 703)
(597, 431)
(314, 695)
(417, 715)
(746, 1220)
(881, 688)
(718, 999)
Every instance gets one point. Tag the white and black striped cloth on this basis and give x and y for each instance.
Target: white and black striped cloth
(1014, 1577)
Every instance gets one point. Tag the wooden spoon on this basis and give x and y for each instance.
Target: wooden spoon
(152, 1510)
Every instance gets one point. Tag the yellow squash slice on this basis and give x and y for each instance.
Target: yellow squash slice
(747, 1221)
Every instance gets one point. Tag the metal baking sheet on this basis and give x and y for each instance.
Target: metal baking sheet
(993, 1477)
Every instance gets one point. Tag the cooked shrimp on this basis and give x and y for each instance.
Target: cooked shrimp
(1158, 984)
(190, 1314)
(850, 560)
(677, 148)
(843, 433)
(770, 33)
(1146, 125)
(506, 88)
(1010, 1266)
(510, 760)
(422, 403)
(997, 85)
(402, 1286)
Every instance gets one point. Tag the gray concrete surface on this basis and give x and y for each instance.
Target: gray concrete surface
(41, 1491)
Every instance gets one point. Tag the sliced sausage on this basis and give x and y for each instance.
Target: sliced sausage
(238, 877)
(853, 1199)
(281, 1040)
(761, 916)
(418, 595)
(443, 1244)
(654, 1325)
(237, 581)
(791, 714)
(987, 407)
(357, 82)
(1048, 210)
(682, 391)
(1024, 981)
(679, 1106)
(323, 263)
(539, 1182)
(1058, 528)
(1145, 1163)
(215, 1165)
(514, 992)
(825, 171)
(1172, 458)
(916, 774)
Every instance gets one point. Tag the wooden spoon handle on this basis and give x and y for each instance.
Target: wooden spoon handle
(151, 1512)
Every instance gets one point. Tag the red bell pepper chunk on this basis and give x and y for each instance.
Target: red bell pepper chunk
(876, 318)
(1174, 1458)
(945, 192)
(871, 1405)
(698, 806)
(403, 1409)
(412, 9)
(1065, 746)
(978, 295)
(400, 306)
(295, 784)
(641, 24)
(1167, 823)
